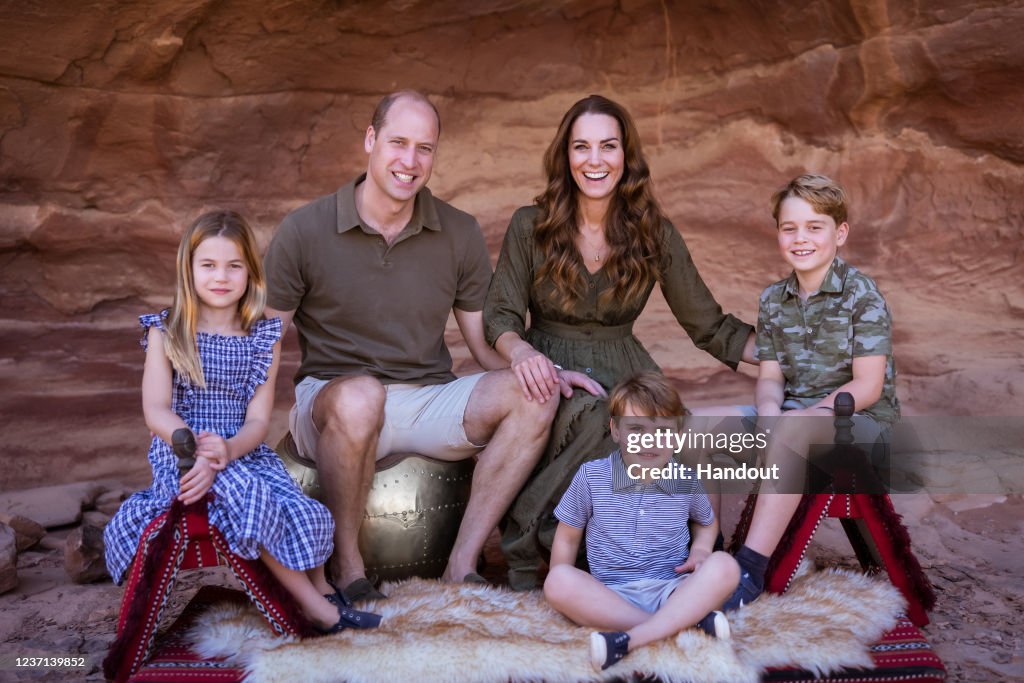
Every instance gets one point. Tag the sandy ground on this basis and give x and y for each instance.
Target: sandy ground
(71, 407)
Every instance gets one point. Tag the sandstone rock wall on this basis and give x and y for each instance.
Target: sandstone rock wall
(120, 121)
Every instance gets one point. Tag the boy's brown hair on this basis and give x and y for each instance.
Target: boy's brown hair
(647, 392)
(821, 192)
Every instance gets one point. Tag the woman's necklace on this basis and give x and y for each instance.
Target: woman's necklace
(590, 245)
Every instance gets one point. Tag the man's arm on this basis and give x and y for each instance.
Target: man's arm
(285, 316)
(471, 324)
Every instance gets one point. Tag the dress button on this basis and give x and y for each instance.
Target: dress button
(641, 513)
(588, 370)
(592, 285)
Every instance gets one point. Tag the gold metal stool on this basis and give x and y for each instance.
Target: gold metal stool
(412, 513)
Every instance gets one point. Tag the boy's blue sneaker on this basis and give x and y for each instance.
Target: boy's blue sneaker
(607, 648)
(715, 625)
(744, 594)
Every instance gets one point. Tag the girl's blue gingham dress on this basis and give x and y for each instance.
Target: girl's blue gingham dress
(256, 504)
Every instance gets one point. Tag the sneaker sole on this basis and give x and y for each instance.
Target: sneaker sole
(722, 629)
(598, 651)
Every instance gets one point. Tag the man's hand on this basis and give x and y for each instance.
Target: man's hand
(567, 379)
(694, 561)
(197, 481)
(214, 449)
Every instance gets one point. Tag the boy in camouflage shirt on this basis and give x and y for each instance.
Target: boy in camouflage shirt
(822, 330)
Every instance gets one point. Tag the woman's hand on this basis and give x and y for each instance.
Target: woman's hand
(214, 449)
(197, 481)
(537, 375)
(567, 379)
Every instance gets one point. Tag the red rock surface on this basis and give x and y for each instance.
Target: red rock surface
(120, 121)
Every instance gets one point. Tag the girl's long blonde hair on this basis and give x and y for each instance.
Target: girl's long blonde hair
(180, 342)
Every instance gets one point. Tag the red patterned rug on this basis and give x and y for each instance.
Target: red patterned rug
(903, 654)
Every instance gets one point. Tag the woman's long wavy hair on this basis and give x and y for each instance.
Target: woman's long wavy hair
(180, 342)
(632, 224)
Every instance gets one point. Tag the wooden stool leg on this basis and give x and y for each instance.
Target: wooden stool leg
(863, 545)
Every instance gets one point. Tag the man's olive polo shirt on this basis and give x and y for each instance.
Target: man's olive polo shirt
(364, 307)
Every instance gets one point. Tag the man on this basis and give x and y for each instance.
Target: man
(369, 275)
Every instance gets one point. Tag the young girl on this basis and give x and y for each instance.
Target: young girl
(211, 361)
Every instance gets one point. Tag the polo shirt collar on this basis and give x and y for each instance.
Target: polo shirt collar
(424, 213)
(621, 481)
(835, 279)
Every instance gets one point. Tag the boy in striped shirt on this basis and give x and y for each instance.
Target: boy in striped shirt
(646, 582)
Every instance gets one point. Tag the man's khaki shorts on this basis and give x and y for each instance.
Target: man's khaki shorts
(424, 419)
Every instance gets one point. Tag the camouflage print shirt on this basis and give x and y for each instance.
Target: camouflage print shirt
(815, 341)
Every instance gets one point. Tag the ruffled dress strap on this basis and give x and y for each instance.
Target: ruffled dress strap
(264, 334)
(149, 320)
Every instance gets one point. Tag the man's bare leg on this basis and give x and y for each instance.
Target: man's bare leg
(516, 431)
(349, 413)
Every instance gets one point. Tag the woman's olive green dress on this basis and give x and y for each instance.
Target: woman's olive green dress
(594, 339)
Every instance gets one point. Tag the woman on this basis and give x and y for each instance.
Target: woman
(583, 261)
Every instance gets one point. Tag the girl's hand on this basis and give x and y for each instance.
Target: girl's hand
(214, 448)
(694, 561)
(568, 379)
(537, 375)
(197, 481)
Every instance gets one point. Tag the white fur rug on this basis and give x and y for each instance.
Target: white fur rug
(479, 634)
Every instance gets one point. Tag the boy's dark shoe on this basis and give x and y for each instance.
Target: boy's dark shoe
(350, 618)
(745, 593)
(361, 590)
(715, 625)
(607, 648)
